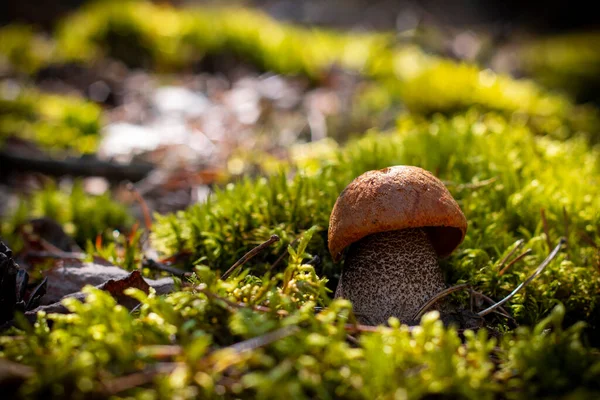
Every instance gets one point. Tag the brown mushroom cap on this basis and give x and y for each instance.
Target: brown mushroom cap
(396, 198)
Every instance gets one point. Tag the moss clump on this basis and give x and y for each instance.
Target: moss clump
(166, 38)
(570, 62)
(24, 49)
(204, 342)
(530, 173)
(51, 121)
(438, 85)
(82, 216)
(560, 353)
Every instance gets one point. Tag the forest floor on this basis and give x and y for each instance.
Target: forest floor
(145, 148)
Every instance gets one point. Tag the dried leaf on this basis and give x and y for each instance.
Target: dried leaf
(74, 275)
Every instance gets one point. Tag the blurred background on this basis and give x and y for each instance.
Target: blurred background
(531, 16)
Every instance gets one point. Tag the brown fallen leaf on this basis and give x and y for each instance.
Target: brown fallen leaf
(115, 287)
(73, 275)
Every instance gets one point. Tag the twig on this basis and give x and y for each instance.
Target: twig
(515, 260)
(518, 244)
(477, 185)
(546, 228)
(121, 384)
(147, 376)
(315, 261)
(503, 312)
(352, 340)
(145, 209)
(265, 339)
(586, 238)
(75, 167)
(507, 316)
(538, 271)
(236, 306)
(437, 297)
(474, 185)
(364, 318)
(208, 293)
(471, 293)
(566, 221)
(12, 373)
(162, 351)
(281, 257)
(360, 328)
(136, 308)
(249, 255)
(153, 264)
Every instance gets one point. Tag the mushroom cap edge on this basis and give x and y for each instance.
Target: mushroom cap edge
(396, 198)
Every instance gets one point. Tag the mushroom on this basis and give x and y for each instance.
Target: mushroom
(395, 222)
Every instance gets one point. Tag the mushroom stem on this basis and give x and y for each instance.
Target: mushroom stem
(390, 274)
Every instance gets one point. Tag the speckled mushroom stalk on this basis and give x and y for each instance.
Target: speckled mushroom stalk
(407, 276)
(394, 223)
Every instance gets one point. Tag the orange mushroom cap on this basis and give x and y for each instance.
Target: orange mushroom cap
(396, 198)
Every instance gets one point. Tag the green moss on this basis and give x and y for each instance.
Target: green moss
(168, 38)
(530, 173)
(570, 62)
(438, 85)
(534, 151)
(557, 360)
(82, 216)
(207, 346)
(52, 121)
(24, 49)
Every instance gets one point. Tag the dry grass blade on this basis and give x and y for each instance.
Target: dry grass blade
(477, 185)
(249, 255)
(514, 261)
(265, 339)
(137, 379)
(230, 304)
(501, 311)
(436, 298)
(474, 185)
(517, 246)
(282, 256)
(145, 209)
(360, 328)
(538, 271)
(162, 351)
(147, 376)
(156, 265)
(586, 238)
(566, 221)
(236, 306)
(546, 228)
